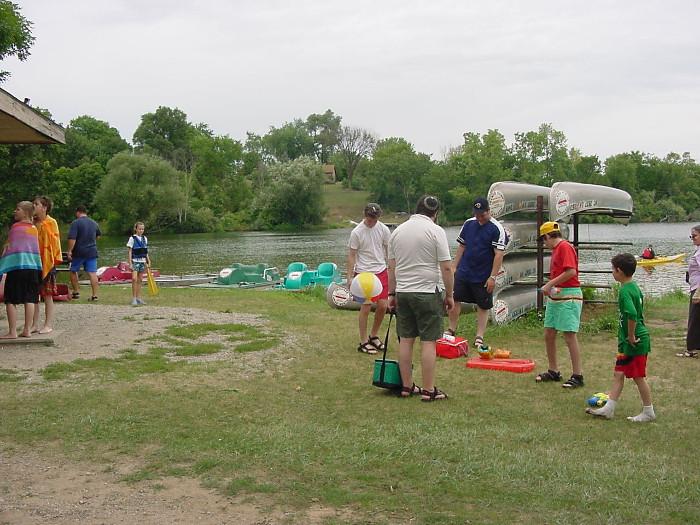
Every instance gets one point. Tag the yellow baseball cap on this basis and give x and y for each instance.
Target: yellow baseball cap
(549, 227)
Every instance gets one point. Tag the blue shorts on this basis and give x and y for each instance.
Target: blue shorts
(138, 267)
(90, 265)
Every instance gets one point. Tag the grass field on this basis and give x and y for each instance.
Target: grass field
(346, 205)
(307, 426)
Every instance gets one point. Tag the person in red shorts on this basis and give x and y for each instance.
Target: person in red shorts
(633, 343)
(367, 252)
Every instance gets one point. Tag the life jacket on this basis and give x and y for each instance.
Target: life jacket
(140, 248)
(647, 254)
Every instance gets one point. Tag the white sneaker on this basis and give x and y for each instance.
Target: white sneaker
(140, 301)
(134, 302)
(642, 418)
(600, 412)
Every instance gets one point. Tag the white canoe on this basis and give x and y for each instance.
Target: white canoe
(573, 198)
(524, 233)
(511, 197)
(517, 267)
(561, 201)
(512, 303)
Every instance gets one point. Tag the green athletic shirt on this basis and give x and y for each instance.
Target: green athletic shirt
(631, 303)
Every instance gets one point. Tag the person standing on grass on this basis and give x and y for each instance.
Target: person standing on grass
(139, 261)
(692, 339)
(367, 252)
(480, 248)
(50, 253)
(564, 305)
(633, 342)
(418, 256)
(82, 250)
(22, 265)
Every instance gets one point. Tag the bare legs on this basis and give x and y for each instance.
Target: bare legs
(427, 362)
(482, 319)
(136, 278)
(48, 322)
(12, 321)
(93, 282)
(379, 313)
(550, 341)
(75, 286)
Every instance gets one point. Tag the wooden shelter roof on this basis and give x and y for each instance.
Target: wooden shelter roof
(20, 124)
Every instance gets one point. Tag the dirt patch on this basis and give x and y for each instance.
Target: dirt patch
(88, 331)
(37, 490)
(41, 486)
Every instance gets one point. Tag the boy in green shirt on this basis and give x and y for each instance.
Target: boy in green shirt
(633, 343)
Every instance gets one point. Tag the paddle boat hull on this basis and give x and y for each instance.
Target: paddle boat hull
(120, 273)
(299, 276)
(249, 274)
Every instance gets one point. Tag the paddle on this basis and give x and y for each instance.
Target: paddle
(152, 286)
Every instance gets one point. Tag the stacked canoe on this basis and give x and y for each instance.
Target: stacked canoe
(562, 202)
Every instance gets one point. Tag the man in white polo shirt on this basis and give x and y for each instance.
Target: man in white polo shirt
(418, 256)
(367, 253)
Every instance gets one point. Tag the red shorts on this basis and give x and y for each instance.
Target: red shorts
(632, 365)
(384, 279)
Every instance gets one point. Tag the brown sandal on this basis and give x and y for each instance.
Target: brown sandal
(376, 343)
(434, 395)
(367, 348)
(408, 391)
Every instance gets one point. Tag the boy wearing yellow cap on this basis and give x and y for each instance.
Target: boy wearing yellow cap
(564, 305)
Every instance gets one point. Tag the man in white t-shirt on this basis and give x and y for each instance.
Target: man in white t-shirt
(367, 252)
(418, 257)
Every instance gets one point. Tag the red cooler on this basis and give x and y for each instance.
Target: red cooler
(452, 348)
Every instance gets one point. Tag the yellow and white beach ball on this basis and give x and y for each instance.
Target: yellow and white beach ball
(365, 287)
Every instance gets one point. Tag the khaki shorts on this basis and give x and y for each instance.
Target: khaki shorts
(419, 315)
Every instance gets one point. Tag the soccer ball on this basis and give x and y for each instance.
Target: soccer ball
(597, 400)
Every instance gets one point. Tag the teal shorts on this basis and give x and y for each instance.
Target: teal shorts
(563, 310)
(419, 314)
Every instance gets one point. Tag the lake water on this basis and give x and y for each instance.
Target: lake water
(208, 253)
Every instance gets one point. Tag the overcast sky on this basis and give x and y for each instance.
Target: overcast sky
(614, 76)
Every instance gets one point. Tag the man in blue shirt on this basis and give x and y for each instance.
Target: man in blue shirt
(481, 245)
(82, 250)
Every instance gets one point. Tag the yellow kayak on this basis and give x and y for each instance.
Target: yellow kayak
(678, 258)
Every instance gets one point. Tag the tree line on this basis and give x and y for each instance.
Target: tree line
(180, 176)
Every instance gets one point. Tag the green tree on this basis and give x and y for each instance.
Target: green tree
(621, 172)
(70, 187)
(24, 173)
(139, 187)
(587, 169)
(541, 157)
(91, 140)
(396, 172)
(166, 133)
(289, 142)
(291, 197)
(221, 184)
(354, 146)
(324, 130)
(15, 34)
